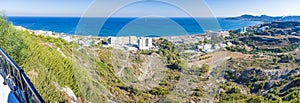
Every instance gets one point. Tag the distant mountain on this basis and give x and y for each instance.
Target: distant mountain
(265, 18)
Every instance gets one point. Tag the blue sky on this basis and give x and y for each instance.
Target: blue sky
(219, 8)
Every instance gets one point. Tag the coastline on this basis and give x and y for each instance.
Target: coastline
(134, 42)
(56, 34)
(146, 27)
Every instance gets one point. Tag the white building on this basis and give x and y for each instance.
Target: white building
(206, 48)
(225, 34)
(229, 44)
(67, 38)
(217, 34)
(145, 43)
(261, 29)
(110, 41)
(212, 34)
(242, 30)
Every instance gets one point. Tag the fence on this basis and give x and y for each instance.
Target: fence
(17, 80)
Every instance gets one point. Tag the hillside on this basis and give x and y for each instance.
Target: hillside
(273, 70)
(68, 72)
(257, 68)
(265, 18)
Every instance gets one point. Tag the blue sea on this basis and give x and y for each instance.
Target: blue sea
(129, 26)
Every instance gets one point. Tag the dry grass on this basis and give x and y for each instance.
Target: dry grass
(219, 57)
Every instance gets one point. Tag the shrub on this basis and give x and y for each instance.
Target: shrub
(159, 91)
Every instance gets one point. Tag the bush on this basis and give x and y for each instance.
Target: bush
(255, 99)
(12, 41)
(205, 68)
(159, 91)
(233, 90)
(170, 55)
(232, 97)
(30, 52)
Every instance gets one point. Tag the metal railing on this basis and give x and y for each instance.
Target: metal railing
(18, 81)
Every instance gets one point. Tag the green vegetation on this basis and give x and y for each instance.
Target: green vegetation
(233, 94)
(170, 80)
(274, 40)
(12, 41)
(159, 91)
(50, 64)
(287, 58)
(256, 50)
(170, 55)
(47, 67)
(205, 68)
(249, 75)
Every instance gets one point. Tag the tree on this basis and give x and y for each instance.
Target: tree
(234, 89)
(204, 69)
(200, 49)
(255, 99)
(200, 42)
(275, 60)
(206, 41)
(104, 41)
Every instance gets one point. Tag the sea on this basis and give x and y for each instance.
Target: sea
(119, 26)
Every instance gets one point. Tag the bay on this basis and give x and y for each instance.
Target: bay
(129, 26)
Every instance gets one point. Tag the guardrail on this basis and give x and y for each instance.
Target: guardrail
(18, 81)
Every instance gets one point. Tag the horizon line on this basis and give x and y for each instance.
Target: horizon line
(110, 17)
(142, 16)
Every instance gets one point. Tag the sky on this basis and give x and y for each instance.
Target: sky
(130, 8)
